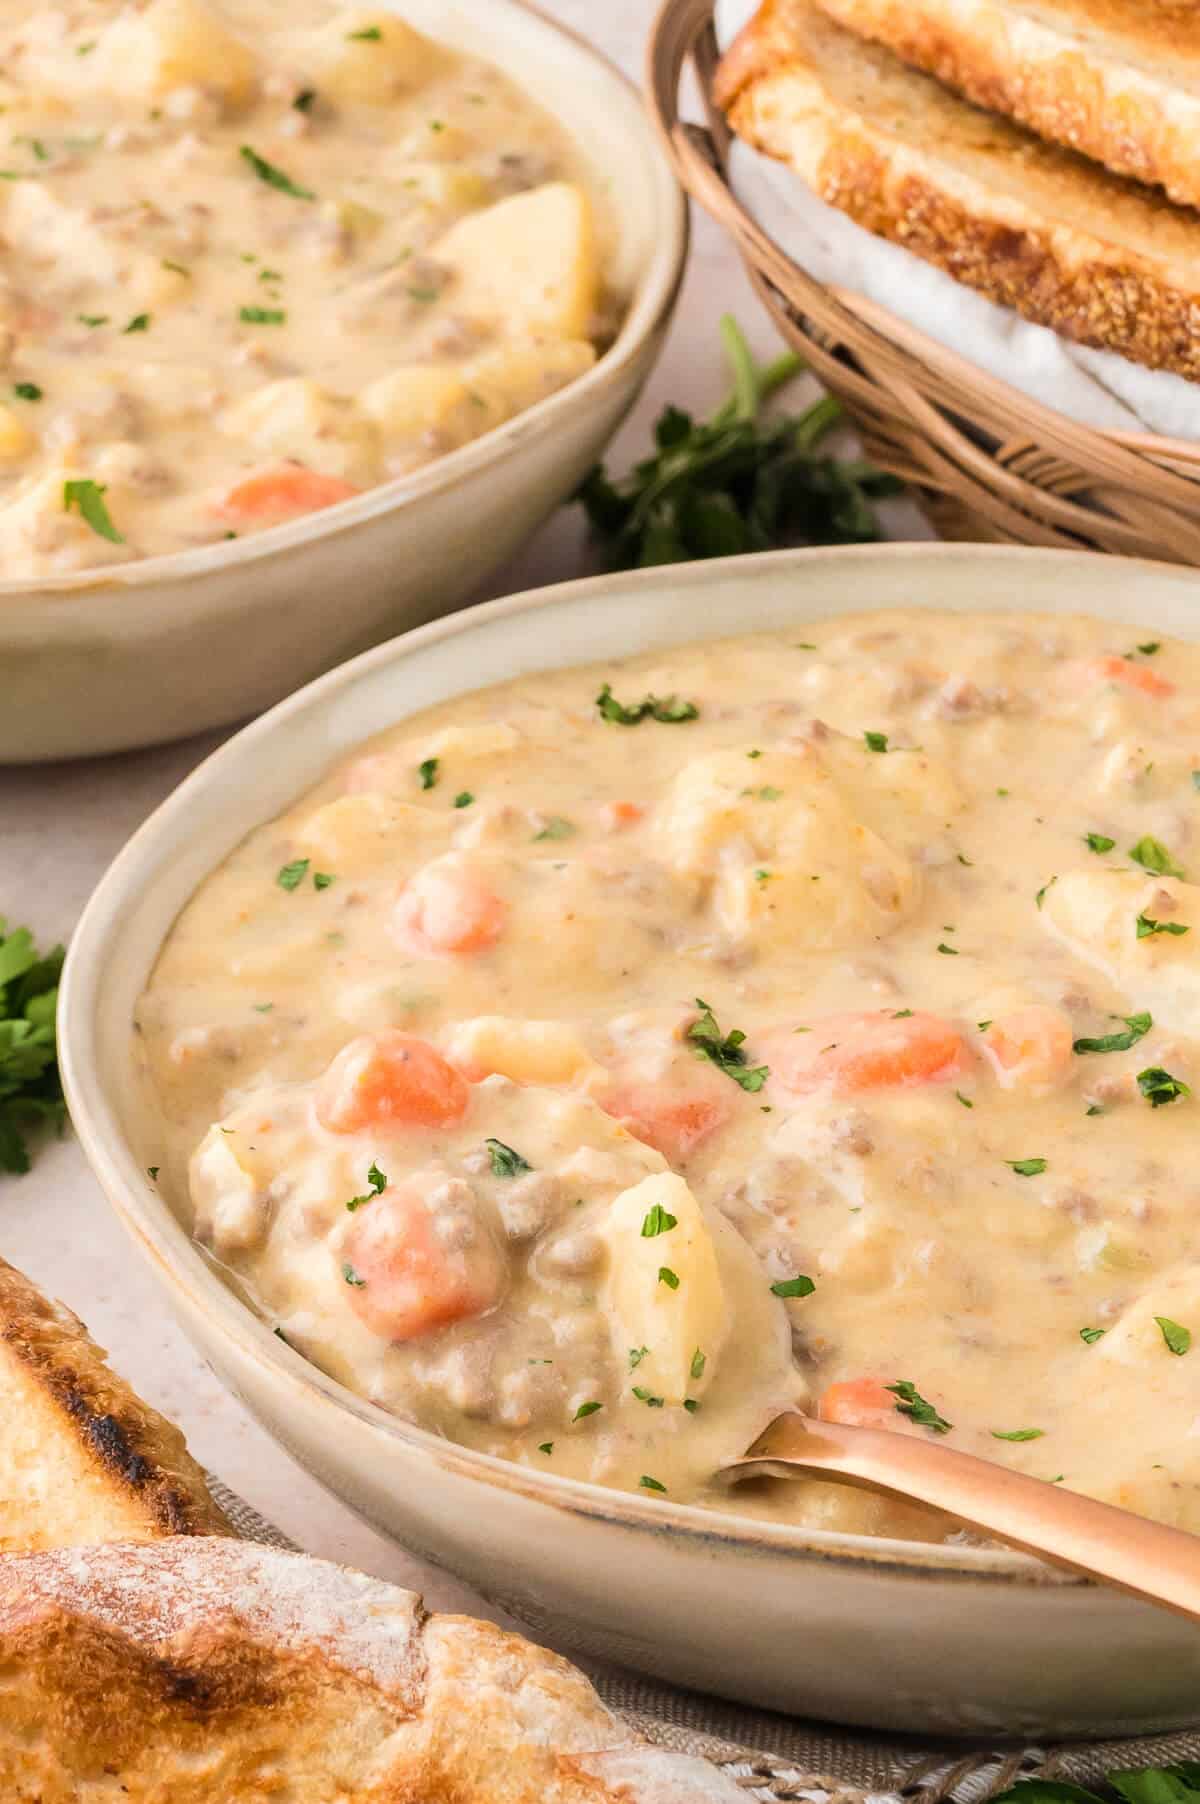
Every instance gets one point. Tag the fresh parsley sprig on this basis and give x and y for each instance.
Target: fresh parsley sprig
(736, 482)
(30, 1089)
(725, 1050)
(1141, 1785)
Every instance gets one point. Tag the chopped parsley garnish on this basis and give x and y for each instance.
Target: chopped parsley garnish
(658, 1221)
(636, 1356)
(911, 1404)
(691, 1405)
(463, 799)
(647, 1397)
(1178, 1339)
(378, 1182)
(27, 391)
(668, 710)
(964, 1100)
(262, 316)
(92, 319)
(427, 771)
(1153, 856)
(152, 1172)
(88, 497)
(139, 323)
(1146, 925)
(351, 1276)
(274, 178)
(725, 1050)
(1089, 1336)
(545, 1446)
(1136, 1026)
(557, 827)
(1041, 895)
(769, 793)
(270, 275)
(736, 481)
(586, 1409)
(263, 1008)
(668, 1277)
(1098, 842)
(651, 1484)
(426, 296)
(370, 35)
(178, 269)
(1149, 649)
(1027, 1168)
(504, 1161)
(698, 1364)
(291, 876)
(876, 742)
(304, 100)
(1017, 1434)
(30, 1090)
(799, 1286)
(949, 951)
(1159, 1087)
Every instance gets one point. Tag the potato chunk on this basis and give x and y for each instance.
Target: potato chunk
(1143, 933)
(528, 263)
(528, 1052)
(174, 44)
(297, 418)
(368, 57)
(674, 1321)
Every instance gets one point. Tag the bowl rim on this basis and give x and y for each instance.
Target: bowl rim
(650, 307)
(182, 1266)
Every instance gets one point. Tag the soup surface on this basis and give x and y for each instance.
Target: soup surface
(255, 258)
(451, 1077)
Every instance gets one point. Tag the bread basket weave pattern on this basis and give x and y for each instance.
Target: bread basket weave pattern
(985, 460)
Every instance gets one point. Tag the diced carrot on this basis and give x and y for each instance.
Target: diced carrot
(616, 815)
(281, 493)
(875, 1051)
(1114, 669)
(405, 1279)
(860, 1403)
(674, 1124)
(446, 910)
(1030, 1049)
(388, 1081)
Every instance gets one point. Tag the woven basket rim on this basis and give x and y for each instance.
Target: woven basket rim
(677, 32)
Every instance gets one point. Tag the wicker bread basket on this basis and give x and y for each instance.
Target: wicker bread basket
(986, 460)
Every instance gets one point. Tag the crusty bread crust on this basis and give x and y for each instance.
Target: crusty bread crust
(1118, 81)
(1033, 227)
(82, 1459)
(207, 1671)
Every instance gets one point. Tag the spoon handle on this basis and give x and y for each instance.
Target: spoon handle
(1146, 1558)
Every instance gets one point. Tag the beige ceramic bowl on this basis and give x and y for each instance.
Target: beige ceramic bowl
(895, 1634)
(151, 651)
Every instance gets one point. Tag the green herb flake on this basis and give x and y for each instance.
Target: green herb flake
(1027, 1168)
(800, 1286)
(647, 1397)
(691, 1405)
(636, 1356)
(92, 319)
(139, 323)
(669, 710)
(351, 1276)
(505, 1163)
(378, 1184)
(463, 799)
(274, 178)
(177, 269)
(586, 1409)
(370, 35)
(948, 951)
(698, 1364)
(668, 1277)
(88, 497)
(323, 879)
(1148, 650)
(263, 1008)
(725, 1050)
(876, 742)
(1089, 1336)
(1159, 1087)
(546, 1447)
(291, 876)
(152, 1172)
(964, 1100)
(1041, 895)
(557, 827)
(1017, 1434)
(910, 1403)
(427, 771)
(651, 1484)
(1177, 1339)
(262, 316)
(1153, 856)
(305, 100)
(1136, 1027)
(27, 391)
(1098, 842)
(658, 1221)
(1146, 926)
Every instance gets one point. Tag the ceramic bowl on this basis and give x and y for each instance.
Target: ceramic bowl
(894, 1634)
(106, 660)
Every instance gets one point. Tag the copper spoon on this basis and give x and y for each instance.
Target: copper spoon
(1153, 1562)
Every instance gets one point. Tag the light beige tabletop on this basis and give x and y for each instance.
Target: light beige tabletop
(60, 826)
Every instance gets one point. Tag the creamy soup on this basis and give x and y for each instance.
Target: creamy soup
(451, 1076)
(255, 258)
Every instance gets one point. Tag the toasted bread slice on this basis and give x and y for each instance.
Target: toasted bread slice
(1096, 258)
(82, 1459)
(206, 1671)
(1118, 80)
